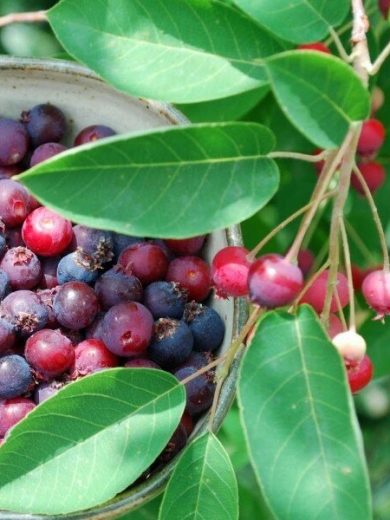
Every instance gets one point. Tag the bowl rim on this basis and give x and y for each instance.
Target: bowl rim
(138, 495)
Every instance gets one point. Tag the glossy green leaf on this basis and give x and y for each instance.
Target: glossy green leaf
(226, 109)
(203, 484)
(173, 182)
(377, 336)
(320, 95)
(182, 51)
(297, 412)
(298, 21)
(89, 442)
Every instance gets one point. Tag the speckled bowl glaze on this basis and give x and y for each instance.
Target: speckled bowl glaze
(87, 100)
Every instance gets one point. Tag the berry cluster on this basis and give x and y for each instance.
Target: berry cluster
(75, 300)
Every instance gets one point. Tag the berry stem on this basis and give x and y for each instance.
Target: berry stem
(359, 242)
(375, 216)
(283, 224)
(348, 268)
(384, 54)
(299, 156)
(340, 47)
(34, 16)
(331, 165)
(204, 369)
(308, 284)
(223, 370)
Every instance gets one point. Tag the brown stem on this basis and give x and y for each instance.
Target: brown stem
(30, 17)
(348, 268)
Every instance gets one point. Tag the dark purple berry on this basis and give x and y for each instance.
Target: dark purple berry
(76, 266)
(4, 285)
(46, 151)
(6, 172)
(50, 353)
(12, 411)
(14, 142)
(93, 133)
(95, 330)
(14, 203)
(25, 311)
(49, 272)
(46, 296)
(165, 299)
(96, 244)
(146, 261)
(123, 241)
(22, 267)
(171, 344)
(75, 305)
(14, 238)
(46, 390)
(45, 124)
(186, 246)
(176, 443)
(15, 376)
(127, 329)
(7, 335)
(114, 287)
(206, 326)
(200, 391)
(3, 246)
(141, 363)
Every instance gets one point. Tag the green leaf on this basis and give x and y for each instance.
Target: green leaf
(199, 178)
(203, 484)
(89, 442)
(147, 511)
(182, 51)
(226, 109)
(377, 336)
(320, 95)
(298, 21)
(297, 412)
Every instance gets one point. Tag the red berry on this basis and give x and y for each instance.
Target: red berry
(377, 96)
(14, 203)
(305, 260)
(193, 274)
(384, 6)
(46, 233)
(93, 133)
(316, 293)
(141, 363)
(49, 352)
(376, 291)
(273, 281)
(93, 355)
(229, 271)
(371, 137)
(75, 305)
(147, 262)
(358, 276)
(360, 375)
(335, 326)
(46, 151)
(12, 411)
(186, 246)
(373, 173)
(317, 46)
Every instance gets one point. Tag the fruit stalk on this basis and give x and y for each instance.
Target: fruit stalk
(30, 17)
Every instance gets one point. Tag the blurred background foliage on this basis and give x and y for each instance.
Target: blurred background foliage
(297, 182)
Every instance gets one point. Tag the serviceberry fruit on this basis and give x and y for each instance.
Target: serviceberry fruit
(186, 246)
(25, 311)
(316, 293)
(95, 244)
(93, 133)
(14, 238)
(191, 273)
(206, 325)
(45, 124)
(7, 335)
(46, 233)
(50, 353)
(165, 299)
(229, 271)
(75, 305)
(114, 286)
(200, 391)
(384, 6)
(46, 390)
(46, 296)
(95, 330)
(6, 172)
(141, 363)
(350, 345)
(121, 242)
(335, 326)
(76, 266)
(22, 267)
(4, 285)
(376, 291)
(305, 261)
(92, 355)
(12, 411)
(15, 376)
(359, 375)
(14, 142)
(146, 261)
(14, 203)
(371, 137)
(273, 281)
(373, 173)
(127, 329)
(49, 267)
(317, 46)
(45, 152)
(172, 342)
(175, 444)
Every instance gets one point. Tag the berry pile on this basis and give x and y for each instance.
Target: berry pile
(75, 300)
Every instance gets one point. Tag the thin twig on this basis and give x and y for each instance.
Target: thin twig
(30, 17)
(348, 268)
(359, 242)
(340, 47)
(384, 54)
(308, 284)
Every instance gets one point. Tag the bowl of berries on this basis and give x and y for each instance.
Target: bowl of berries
(75, 300)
